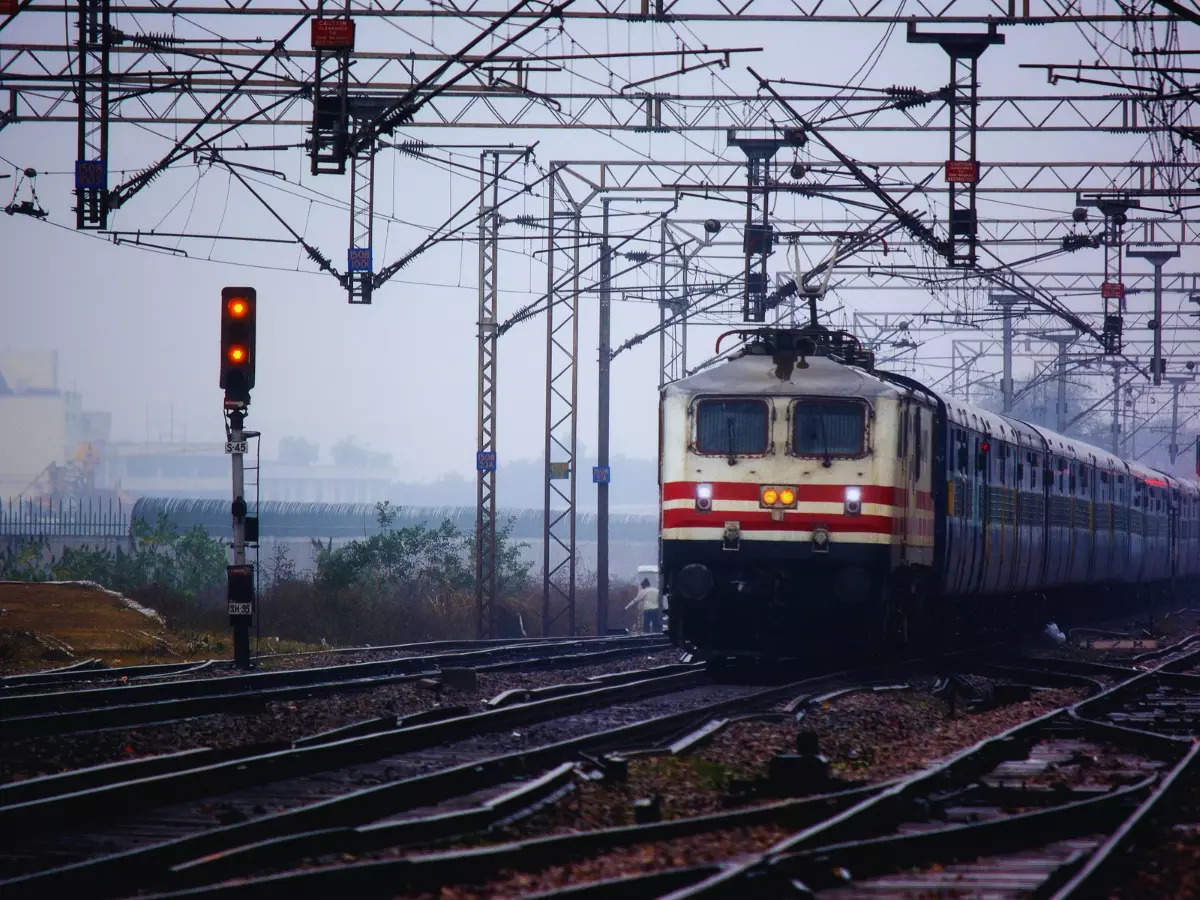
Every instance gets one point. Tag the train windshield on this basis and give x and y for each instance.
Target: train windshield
(731, 426)
(828, 428)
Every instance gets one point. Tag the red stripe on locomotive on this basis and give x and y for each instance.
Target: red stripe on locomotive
(760, 520)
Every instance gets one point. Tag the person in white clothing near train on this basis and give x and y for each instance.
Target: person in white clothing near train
(651, 611)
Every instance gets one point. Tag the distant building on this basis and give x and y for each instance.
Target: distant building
(49, 444)
(202, 471)
(165, 469)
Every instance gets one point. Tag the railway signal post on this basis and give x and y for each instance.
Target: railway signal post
(1157, 257)
(238, 311)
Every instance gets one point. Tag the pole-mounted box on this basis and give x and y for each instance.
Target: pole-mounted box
(241, 592)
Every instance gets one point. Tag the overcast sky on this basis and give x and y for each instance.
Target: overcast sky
(137, 331)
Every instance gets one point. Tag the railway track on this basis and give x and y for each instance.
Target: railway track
(285, 823)
(94, 671)
(1039, 810)
(446, 764)
(25, 714)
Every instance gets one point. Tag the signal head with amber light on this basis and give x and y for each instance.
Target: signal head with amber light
(238, 309)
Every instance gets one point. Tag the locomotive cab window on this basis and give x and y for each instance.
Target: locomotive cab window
(828, 428)
(728, 426)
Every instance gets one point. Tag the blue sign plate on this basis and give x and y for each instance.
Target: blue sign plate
(90, 175)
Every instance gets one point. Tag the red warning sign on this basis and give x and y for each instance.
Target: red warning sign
(1112, 290)
(331, 34)
(962, 171)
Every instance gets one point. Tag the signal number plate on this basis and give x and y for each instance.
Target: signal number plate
(241, 609)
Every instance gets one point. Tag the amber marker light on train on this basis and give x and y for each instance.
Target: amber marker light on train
(774, 497)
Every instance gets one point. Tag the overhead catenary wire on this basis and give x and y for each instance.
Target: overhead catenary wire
(313, 253)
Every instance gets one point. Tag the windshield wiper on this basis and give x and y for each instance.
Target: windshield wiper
(729, 433)
(827, 458)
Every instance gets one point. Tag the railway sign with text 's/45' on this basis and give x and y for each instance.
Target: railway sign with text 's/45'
(235, 446)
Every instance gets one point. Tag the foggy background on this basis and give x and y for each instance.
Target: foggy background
(390, 388)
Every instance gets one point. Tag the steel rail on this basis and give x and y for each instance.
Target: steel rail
(92, 777)
(874, 856)
(431, 870)
(239, 771)
(1089, 880)
(96, 669)
(844, 830)
(255, 698)
(91, 698)
(109, 875)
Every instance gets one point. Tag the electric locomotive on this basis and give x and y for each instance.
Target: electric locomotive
(805, 494)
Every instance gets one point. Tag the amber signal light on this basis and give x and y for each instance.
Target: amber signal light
(238, 305)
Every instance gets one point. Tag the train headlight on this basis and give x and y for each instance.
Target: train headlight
(853, 501)
(704, 494)
(787, 497)
(770, 496)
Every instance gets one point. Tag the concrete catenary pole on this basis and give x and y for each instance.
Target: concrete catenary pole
(1157, 257)
(1116, 409)
(602, 428)
(1007, 301)
(1177, 383)
(241, 627)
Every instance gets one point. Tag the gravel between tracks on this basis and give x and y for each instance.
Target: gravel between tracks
(637, 859)
(280, 721)
(867, 736)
